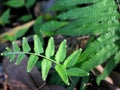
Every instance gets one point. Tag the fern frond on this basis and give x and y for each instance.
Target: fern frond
(109, 67)
(91, 11)
(73, 2)
(67, 4)
(50, 27)
(57, 7)
(97, 45)
(46, 64)
(90, 19)
(85, 21)
(88, 29)
(99, 17)
(100, 57)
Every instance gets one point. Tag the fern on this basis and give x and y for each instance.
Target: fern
(98, 58)
(99, 17)
(96, 10)
(96, 17)
(109, 67)
(51, 27)
(76, 2)
(65, 68)
(97, 45)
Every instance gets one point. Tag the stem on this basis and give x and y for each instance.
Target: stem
(44, 57)
(118, 4)
(30, 53)
(72, 81)
(28, 10)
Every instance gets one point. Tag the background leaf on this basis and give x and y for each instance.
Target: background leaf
(16, 35)
(37, 25)
(49, 28)
(30, 3)
(9, 38)
(5, 16)
(15, 3)
(25, 18)
(21, 32)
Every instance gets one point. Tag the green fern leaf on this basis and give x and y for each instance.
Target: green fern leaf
(25, 45)
(50, 48)
(57, 7)
(96, 10)
(37, 25)
(63, 73)
(99, 57)
(94, 47)
(72, 59)
(109, 67)
(19, 58)
(50, 27)
(76, 72)
(8, 54)
(45, 65)
(37, 45)
(93, 28)
(61, 53)
(31, 62)
(15, 47)
(91, 25)
(74, 2)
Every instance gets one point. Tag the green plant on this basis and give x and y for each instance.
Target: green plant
(85, 20)
(64, 66)
(91, 17)
(15, 4)
(4, 18)
(79, 18)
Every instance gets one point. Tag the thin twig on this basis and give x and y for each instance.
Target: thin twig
(41, 86)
